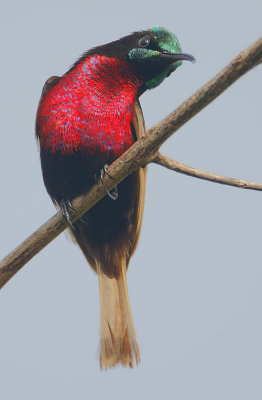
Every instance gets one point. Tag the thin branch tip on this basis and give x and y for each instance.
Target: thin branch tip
(177, 166)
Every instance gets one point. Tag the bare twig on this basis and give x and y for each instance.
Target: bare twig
(177, 166)
(140, 154)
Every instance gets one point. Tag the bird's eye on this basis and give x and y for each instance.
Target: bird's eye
(144, 41)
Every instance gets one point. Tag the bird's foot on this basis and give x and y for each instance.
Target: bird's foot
(67, 208)
(113, 195)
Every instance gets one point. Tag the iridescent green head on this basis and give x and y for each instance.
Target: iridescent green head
(154, 54)
(157, 55)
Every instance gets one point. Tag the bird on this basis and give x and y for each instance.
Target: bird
(85, 120)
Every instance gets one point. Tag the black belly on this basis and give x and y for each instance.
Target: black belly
(67, 176)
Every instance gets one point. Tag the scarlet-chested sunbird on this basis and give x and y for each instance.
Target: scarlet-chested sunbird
(85, 120)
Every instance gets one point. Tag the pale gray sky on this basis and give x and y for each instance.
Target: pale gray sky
(195, 280)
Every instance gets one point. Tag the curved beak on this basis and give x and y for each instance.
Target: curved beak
(178, 57)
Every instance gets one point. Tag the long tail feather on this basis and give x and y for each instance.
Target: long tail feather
(118, 336)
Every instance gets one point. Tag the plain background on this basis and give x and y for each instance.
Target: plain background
(195, 280)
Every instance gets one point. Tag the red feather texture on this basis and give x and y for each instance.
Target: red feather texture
(90, 108)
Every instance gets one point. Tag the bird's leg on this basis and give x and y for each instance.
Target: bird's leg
(67, 207)
(113, 195)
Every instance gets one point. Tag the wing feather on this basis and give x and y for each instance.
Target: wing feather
(139, 127)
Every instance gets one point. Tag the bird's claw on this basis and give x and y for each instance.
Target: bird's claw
(113, 195)
(67, 207)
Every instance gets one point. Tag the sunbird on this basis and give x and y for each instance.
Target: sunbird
(85, 120)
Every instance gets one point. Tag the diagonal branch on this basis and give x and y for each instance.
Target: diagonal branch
(140, 154)
(177, 166)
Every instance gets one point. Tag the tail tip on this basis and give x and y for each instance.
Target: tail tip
(119, 354)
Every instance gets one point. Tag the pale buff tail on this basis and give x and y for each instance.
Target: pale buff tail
(118, 336)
